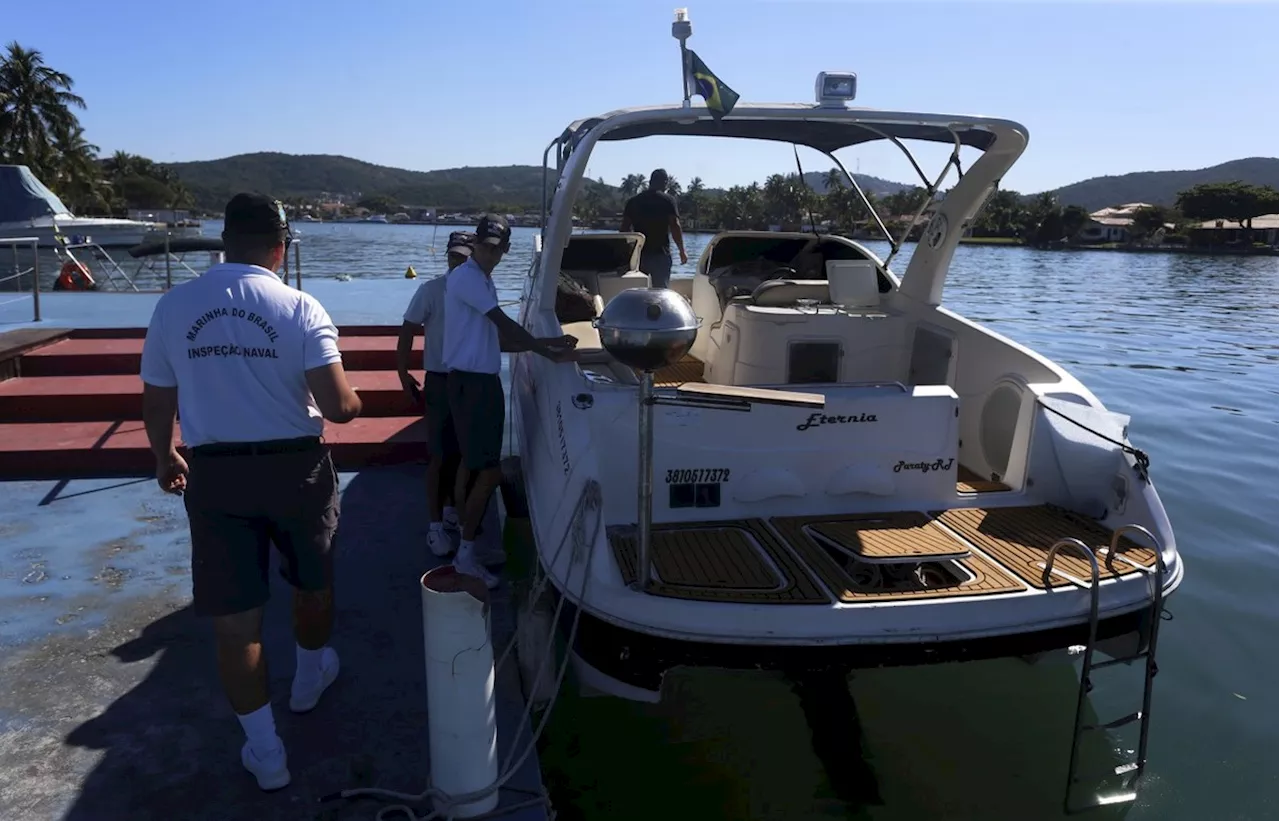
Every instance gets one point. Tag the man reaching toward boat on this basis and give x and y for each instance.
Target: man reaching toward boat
(654, 213)
(426, 311)
(476, 331)
(254, 367)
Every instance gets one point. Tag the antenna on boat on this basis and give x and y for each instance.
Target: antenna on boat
(682, 30)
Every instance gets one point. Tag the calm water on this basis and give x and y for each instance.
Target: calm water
(1188, 347)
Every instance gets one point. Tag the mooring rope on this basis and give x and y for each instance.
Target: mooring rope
(591, 499)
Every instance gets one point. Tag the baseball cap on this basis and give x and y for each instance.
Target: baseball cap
(493, 230)
(255, 214)
(461, 242)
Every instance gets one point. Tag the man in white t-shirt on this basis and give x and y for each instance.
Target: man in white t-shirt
(253, 366)
(426, 313)
(476, 331)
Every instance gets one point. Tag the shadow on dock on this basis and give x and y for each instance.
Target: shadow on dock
(129, 722)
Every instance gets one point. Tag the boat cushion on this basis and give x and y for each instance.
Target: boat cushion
(778, 293)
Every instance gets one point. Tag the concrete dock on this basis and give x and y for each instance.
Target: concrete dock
(109, 703)
(110, 706)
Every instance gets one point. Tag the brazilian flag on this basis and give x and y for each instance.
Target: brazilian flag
(720, 98)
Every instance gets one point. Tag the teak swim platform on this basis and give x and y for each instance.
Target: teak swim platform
(783, 559)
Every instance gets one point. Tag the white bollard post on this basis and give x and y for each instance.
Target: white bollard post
(461, 704)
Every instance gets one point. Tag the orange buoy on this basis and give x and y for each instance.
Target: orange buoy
(74, 276)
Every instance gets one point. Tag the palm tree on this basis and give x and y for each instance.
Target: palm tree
(693, 197)
(78, 175)
(35, 106)
(740, 207)
(833, 180)
(121, 164)
(632, 184)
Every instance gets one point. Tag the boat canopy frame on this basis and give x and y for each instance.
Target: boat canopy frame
(823, 128)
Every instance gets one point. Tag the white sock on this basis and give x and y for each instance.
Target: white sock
(308, 665)
(466, 551)
(436, 527)
(260, 728)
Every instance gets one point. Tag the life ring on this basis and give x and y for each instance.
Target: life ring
(74, 276)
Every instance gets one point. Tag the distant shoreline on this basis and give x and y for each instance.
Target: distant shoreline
(1006, 242)
(1196, 250)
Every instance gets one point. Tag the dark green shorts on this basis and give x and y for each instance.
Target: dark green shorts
(442, 437)
(239, 505)
(479, 411)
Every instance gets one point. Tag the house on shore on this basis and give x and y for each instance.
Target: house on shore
(1229, 232)
(1113, 224)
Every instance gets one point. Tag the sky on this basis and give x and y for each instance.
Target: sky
(1103, 87)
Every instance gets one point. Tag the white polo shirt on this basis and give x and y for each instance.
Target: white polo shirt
(236, 343)
(470, 337)
(427, 309)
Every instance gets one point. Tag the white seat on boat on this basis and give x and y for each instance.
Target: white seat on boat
(782, 293)
(854, 284)
(590, 351)
(611, 286)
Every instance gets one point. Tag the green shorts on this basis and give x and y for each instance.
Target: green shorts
(479, 410)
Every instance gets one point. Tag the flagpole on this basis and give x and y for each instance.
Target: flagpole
(682, 30)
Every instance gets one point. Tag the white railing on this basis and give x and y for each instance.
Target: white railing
(34, 270)
(101, 256)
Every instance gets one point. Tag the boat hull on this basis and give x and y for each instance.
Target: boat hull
(113, 234)
(631, 664)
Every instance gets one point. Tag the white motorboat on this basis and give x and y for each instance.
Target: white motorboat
(801, 459)
(29, 209)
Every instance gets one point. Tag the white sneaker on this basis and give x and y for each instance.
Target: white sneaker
(450, 520)
(304, 699)
(472, 567)
(439, 542)
(271, 770)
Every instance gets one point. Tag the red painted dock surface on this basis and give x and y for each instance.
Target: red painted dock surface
(74, 408)
(85, 356)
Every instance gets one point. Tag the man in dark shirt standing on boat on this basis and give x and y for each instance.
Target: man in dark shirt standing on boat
(654, 213)
(476, 331)
(426, 311)
(253, 365)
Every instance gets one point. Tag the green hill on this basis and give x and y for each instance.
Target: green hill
(817, 180)
(513, 187)
(1162, 187)
(312, 176)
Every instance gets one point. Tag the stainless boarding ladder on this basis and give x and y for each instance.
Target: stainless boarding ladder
(1131, 771)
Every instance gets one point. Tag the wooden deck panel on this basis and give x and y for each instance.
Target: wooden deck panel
(689, 369)
(1020, 538)
(969, 482)
(988, 577)
(719, 561)
(905, 535)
